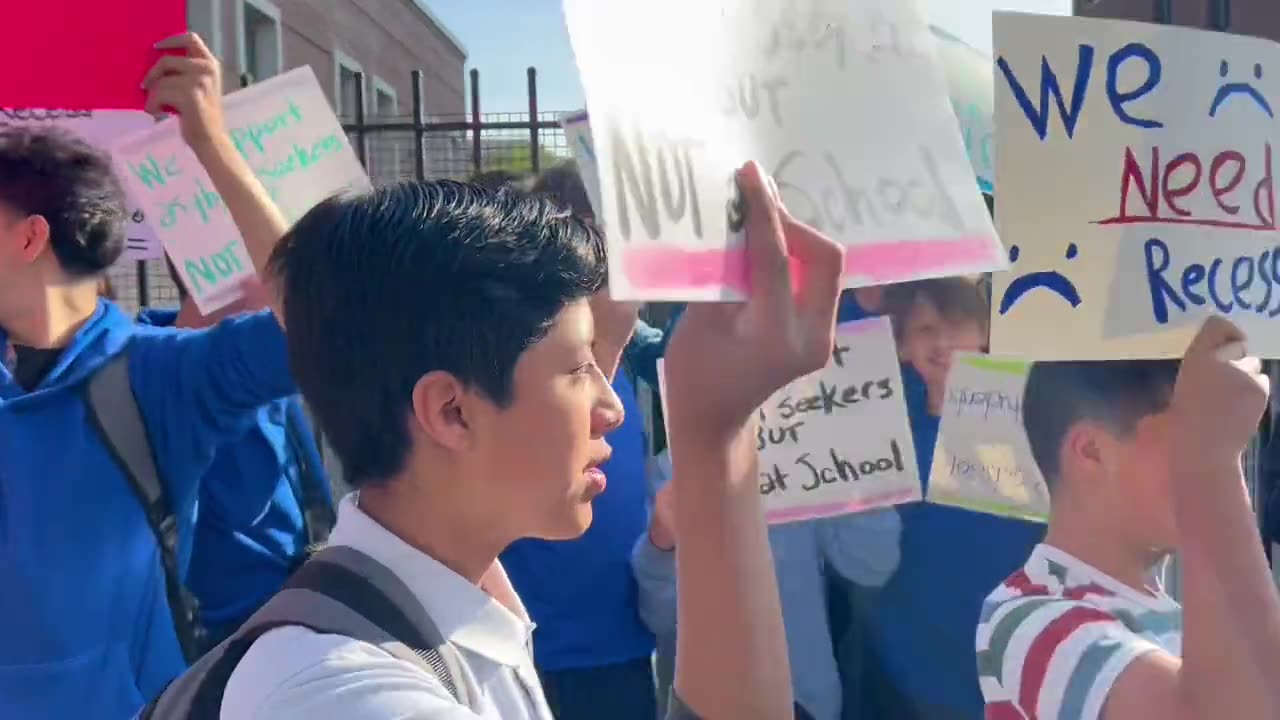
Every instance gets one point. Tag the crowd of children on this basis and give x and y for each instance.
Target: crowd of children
(511, 549)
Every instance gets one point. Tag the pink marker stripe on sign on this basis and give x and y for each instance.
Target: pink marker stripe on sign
(672, 268)
(813, 512)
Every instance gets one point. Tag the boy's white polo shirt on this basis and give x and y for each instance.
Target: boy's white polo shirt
(294, 674)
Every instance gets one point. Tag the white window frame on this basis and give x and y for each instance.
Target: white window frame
(343, 61)
(268, 8)
(383, 87)
(214, 41)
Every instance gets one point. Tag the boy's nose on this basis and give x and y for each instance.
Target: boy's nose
(609, 412)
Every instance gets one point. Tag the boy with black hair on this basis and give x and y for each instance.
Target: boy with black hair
(92, 589)
(456, 348)
(594, 660)
(1142, 458)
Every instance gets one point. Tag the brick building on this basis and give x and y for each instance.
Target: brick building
(1246, 17)
(383, 39)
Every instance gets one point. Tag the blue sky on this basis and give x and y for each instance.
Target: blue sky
(503, 37)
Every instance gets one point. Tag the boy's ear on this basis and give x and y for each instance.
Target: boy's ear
(440, 404)
(1085, 449)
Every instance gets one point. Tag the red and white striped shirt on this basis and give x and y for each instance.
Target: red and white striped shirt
(1055, 636)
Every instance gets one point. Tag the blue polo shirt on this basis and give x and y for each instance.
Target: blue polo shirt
(250, 531)
(85, 626)
(926, 617)
(581, 593)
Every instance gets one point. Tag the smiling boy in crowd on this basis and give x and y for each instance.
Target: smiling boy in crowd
(923, 641)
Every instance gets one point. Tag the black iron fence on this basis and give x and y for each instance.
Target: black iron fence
(394, 145)
(423, 145)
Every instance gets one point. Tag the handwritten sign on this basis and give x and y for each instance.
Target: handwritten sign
(577, 135)
(100, 128)
(844, 103)
(970, 80)
(837, 441)
(1137, 190)
(286, 131)
(982, 460)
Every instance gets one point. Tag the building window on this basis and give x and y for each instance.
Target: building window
(385, 102)
(204, 17)
(260, 37)
(391, 149)
(345, 85)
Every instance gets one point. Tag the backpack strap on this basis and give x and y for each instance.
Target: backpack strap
(313, 497)
(677, 709)
(340, 591)
(114, 414)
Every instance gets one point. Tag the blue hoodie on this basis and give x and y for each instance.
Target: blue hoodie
(250, 529)
(85, 627)
(581, 593)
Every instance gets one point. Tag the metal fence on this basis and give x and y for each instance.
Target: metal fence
(394, 146)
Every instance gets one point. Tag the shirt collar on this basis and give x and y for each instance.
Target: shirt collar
(471, 617)
(1081, 573)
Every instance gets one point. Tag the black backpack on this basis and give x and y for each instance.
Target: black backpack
(113, 411)
(339, 591)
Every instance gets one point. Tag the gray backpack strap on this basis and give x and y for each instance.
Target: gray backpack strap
(114, 414)
(411, 633)
(340, 591)
(678, 710)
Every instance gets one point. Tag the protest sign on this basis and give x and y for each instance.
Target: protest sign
(838, 441)
(1137, 193)
(970, 81)
(286, 130)
(101, 128)
(844, 104)
(82, 54)
(982, 460)
(577, 135)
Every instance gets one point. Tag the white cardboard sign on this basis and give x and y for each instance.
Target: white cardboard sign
(1137, 187)
(838, 441)
(843, 102)
(982, 460)
(286, 130)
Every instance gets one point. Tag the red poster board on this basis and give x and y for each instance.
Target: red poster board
(82, 54)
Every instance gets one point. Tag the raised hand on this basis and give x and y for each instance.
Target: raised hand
(189, 85)
(727, 358)
(724, 361)
(1220, 395)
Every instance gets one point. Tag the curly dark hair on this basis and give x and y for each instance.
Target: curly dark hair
(50, 172)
